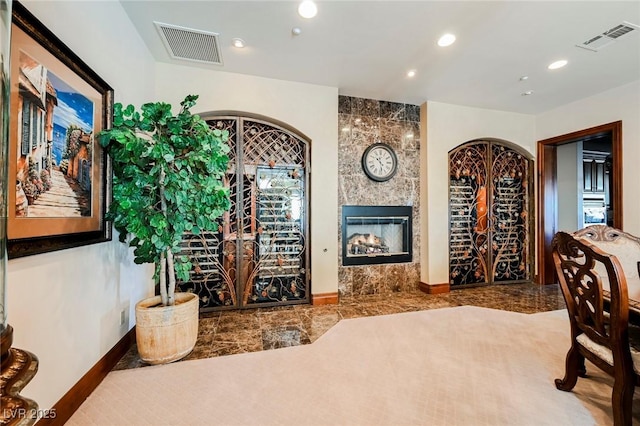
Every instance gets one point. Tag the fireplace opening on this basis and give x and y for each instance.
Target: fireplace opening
(376, 234)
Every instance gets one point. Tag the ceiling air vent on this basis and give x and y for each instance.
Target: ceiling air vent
(606, 38)
(189, 44)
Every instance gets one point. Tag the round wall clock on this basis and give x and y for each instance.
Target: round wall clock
(379, 162)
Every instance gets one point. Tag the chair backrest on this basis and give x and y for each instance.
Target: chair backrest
(624, 246)
(580, 266)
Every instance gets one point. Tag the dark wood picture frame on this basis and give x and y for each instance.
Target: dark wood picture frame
(39, 61)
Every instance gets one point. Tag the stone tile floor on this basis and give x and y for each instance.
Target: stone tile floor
(233, 332)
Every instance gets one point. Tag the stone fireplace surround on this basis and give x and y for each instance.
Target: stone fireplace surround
(361, 123)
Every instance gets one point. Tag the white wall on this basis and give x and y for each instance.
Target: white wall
(311, 109)
(569, 200)
(448, 126)
(65, 306)
(622, 103)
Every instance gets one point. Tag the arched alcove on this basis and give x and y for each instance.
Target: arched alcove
(260, 254)
(490, 213)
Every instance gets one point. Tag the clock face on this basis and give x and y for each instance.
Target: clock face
(379, 162)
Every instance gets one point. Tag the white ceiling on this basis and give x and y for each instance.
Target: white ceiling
(365, 48)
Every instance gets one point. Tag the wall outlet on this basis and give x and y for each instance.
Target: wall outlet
(122, 317)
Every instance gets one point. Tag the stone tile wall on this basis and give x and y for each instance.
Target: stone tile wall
(363, 122)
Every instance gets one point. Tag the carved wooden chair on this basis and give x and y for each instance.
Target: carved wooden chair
(598, 333)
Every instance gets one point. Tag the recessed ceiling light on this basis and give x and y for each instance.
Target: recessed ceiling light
(557, 64)
(524, 77)
(238, 42)
(527, 93)
(446, 40)
(296, 31)
(411, 73)
(307, 9)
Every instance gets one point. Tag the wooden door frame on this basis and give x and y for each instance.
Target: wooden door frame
(547, 189)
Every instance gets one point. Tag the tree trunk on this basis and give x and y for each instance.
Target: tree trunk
(172, 277)
(163, 279)
(167, 257)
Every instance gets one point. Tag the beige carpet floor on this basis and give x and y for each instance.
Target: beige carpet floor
(452, 366)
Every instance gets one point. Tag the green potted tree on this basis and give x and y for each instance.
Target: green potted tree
(168, 175)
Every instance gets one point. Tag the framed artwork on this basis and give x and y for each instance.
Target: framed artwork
(61, 174)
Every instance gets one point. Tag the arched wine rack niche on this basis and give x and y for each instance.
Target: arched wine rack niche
(490, 213)
(260, 254)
